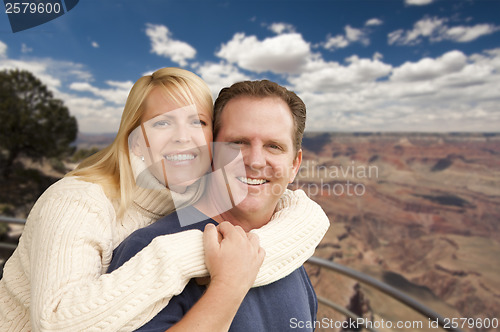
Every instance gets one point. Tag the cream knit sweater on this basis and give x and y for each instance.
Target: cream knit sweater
(56, 281)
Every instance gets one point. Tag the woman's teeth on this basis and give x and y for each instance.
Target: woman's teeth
(180, 157)
(251, 181)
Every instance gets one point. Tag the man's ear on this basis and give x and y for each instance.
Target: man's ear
(296, 165)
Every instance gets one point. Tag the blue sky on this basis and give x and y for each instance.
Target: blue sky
(359, 65)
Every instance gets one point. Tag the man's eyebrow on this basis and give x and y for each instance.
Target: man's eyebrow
(236, 137)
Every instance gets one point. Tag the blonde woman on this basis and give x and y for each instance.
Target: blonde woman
(56, 281)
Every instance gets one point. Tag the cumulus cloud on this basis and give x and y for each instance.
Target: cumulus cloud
(117, 94)
(220, 75)
(436, 29)
(338, 41)
(363, 95)
(322, 76)
(50, 72)
(418, 2)
(373, 22)
(352, 35)
(94, 115)
(428, 69)
(164, 45)
(284, 53)
(3, 49)
(280, 28)
(25, 49)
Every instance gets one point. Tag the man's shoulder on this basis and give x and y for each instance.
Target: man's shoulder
(143, 236)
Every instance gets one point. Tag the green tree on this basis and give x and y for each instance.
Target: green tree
(32, 122)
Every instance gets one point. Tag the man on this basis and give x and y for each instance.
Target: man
(263, 123)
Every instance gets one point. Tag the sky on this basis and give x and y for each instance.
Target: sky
(359, 65)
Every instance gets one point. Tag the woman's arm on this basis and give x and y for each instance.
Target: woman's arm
(68, 237)
(292, 235)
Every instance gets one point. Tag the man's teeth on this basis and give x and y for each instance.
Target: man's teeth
(251, 181)
(179, 157)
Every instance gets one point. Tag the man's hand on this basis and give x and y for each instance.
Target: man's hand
(234, 261)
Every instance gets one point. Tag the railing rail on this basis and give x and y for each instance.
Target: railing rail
(383, 287)
(344, 270)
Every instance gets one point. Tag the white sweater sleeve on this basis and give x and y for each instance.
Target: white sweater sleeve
(291, 236)
(69, 238)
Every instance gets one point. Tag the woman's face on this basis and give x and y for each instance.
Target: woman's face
(174, 140)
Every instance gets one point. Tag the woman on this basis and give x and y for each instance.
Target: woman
(55, 279)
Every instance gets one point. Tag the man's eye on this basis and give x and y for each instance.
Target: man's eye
(275, 146)
(235, 144)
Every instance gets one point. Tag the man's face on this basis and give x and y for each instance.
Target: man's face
(262, 129)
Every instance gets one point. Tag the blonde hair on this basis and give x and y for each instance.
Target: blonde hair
(111, 166)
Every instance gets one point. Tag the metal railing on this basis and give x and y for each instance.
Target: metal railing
(381, 286)
(338, 268)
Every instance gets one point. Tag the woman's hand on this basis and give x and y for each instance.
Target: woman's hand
(233, 261)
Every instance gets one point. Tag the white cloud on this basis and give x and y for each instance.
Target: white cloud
(220, 75)
(3, 49)
(38, 68)
(418, 2)
(95, 44)
(373, 22)
(163, 44)
(321, 76)
(356, 35)
(280, 28)
(117, 95)
(428, 69)
(436, 30)
(352, 35)
(284, 53)
(461, 91)
(94, 115)
(338, 41)
(466, 34)
(25, 48)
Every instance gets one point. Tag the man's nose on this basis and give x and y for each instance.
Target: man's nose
(254, 157)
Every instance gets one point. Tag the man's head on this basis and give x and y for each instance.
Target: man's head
(265, 122)
(259, 90)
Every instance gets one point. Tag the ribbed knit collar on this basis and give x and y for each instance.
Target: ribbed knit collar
(153, 199)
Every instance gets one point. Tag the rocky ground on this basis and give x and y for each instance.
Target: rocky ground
(426, 220)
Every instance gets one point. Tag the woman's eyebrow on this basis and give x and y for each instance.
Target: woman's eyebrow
(162, 116)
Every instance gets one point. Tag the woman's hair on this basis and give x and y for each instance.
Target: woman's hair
(111, 166)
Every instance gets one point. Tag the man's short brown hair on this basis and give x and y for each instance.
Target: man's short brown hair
(263, 89)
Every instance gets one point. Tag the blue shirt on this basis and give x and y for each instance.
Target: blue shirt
(267, 308)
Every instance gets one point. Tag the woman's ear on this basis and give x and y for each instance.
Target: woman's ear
(133, 142)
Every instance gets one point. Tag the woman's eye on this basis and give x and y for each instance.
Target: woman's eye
(161, 123)
(199, 123)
